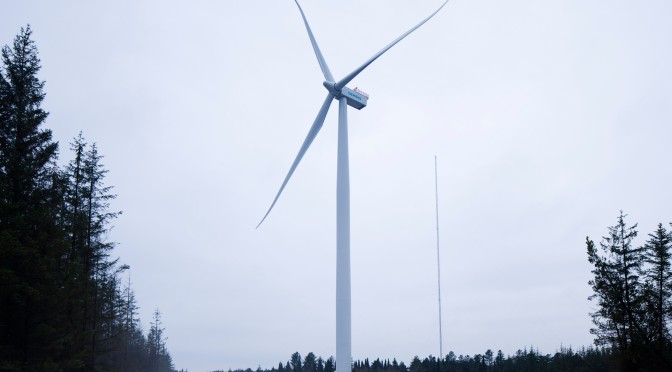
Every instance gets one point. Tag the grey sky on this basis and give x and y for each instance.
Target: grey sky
(547, 118)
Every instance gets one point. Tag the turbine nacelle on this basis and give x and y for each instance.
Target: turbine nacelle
(355, 97)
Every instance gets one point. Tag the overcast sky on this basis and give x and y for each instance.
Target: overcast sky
(547, 117)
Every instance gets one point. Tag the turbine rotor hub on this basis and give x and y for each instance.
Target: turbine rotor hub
(331, 87)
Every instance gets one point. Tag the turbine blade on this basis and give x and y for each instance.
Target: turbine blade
(318, 53)
(343, 82)
(312, 133)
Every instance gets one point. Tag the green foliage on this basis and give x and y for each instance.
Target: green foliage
(658, 284)
(632, 288)
(31, 242)
(295, 362)
(159, 358)
(62, 306)
(309, 363)
(565, 360)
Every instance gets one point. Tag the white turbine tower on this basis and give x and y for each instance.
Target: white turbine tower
(337, 90)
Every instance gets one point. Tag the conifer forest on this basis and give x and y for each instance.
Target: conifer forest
(67, 303)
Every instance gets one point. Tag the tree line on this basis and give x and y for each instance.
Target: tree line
(632, 288)
(566, 359)
(64, 304)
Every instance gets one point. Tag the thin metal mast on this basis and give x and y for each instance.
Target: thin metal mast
(438, 261)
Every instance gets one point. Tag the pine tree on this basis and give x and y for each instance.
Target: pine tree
(329, 365)
(32, 249)
(92, 283)
(74, 223)
(61, 302)
(620, 318)
(309, 363)
(27, 150)
(658, 293)
(658, 279)
(320, 364)
(131, 342)
(160, 360)
(489, 358)
(295, 362)
(102, 287)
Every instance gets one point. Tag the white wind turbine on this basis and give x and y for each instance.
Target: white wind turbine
(337, 90)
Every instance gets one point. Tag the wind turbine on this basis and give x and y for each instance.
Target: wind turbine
(337, 90)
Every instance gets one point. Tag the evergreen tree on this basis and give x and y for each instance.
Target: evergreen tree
(32, 314)
(102, 285)
(295, 362)
(416, 365)
(61, 302)
(92, 282)
(489, 358)
(633, 290)
(658, 279)
(329, 365)
(499, 360)
(617, 289)
(320, 364)
(310, 363)
(27, 150)
(160, 360)
(132, 342)
(74, 223)
(657, 292)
